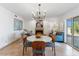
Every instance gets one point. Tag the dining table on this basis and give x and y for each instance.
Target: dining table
(46, 39)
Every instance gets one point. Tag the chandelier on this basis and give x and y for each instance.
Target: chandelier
(39, 14)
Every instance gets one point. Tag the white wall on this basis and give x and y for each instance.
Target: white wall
(49, 24)
(30, 25)
(7, 33)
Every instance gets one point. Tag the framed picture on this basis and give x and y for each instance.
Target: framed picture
(18, 24)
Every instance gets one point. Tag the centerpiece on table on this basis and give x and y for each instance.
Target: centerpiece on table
(38, 35)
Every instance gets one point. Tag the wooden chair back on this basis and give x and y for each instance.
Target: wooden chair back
(38, 45)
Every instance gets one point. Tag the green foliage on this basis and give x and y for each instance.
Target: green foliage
(76, 26)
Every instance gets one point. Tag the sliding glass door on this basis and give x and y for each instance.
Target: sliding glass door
(69, 39)
(76, 32)
(72, 29)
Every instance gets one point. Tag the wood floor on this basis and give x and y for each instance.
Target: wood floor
(15, 49)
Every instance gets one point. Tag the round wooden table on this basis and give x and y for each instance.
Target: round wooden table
(43, 38)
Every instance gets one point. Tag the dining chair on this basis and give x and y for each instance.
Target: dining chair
(38, 48)
(24, 43)
(53, 43)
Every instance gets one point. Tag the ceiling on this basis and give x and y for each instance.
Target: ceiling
(52, 9)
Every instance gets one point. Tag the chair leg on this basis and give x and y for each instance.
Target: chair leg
(26, 49)
(54, 50)
(23, 51)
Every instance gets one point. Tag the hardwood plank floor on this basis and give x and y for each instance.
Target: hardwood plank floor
(15, 49)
